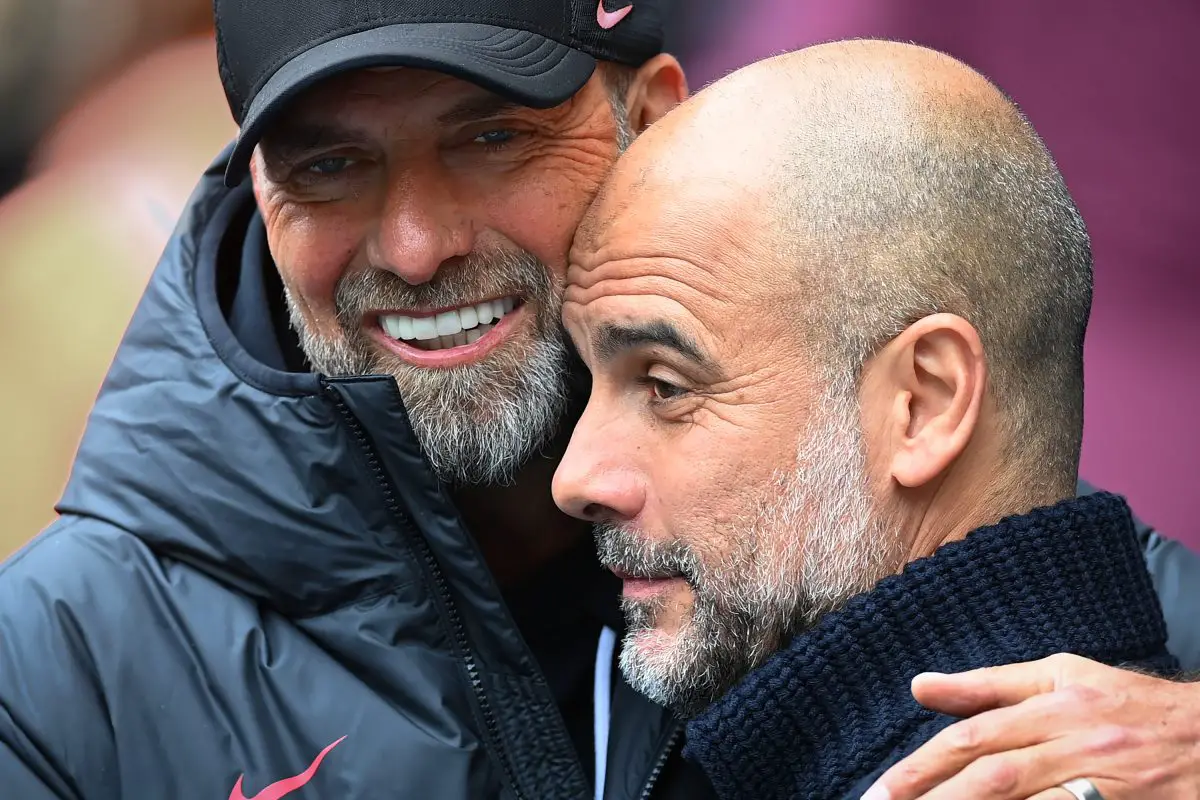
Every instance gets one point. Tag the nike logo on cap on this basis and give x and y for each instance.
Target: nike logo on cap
(607, 19)
(279, 789)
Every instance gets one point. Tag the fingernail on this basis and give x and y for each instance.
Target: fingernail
(877, 792)
(928, 676)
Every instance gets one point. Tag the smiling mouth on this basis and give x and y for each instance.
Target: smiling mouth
(453, 327)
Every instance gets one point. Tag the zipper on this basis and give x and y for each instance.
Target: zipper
(441, 586)
(663, 756)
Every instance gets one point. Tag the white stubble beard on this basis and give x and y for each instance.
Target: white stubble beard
(776, 583)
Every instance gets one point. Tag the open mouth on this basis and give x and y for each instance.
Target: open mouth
(453, 327)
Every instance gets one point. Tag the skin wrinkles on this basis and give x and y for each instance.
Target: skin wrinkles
(621, 277)
(318, 233)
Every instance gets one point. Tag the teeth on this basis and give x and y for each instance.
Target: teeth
(398, 327)
(447, 324)
(457, 340)
(424, 328)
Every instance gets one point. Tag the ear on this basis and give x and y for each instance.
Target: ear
(928, 387)
(659, 86)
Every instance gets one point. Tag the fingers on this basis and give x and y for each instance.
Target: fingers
(955, 749)
(1021, 774)
(968, 693)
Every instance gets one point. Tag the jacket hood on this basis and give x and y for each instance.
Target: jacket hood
(243, 469)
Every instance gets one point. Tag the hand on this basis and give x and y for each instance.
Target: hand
(1046, 722)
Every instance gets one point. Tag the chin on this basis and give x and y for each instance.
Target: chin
(654, 645)
(667, 667)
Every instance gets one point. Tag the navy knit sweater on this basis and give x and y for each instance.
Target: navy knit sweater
(824, 717)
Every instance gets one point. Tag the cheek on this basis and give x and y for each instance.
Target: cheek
(712, 482)
(312, 250)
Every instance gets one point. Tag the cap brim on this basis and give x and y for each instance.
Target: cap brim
(526, 67)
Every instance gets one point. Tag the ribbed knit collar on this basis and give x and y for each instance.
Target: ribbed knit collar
(820, 715)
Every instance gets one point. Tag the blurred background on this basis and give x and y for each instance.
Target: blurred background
(112, 108)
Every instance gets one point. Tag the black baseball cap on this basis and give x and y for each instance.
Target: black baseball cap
(536, 52)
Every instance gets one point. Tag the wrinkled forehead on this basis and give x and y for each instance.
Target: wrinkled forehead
(685, 253)
(674, 225)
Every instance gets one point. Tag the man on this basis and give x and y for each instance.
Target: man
(256, 559)
(834, 309)
(262, 579)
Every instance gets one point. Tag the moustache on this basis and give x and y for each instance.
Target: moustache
(627, 553)
(478, 276)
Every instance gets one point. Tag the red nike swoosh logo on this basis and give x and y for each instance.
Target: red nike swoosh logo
(607, 19)
(286, 786)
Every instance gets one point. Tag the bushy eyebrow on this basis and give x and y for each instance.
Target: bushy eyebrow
(611, 340)
(292, 141)
(475, 109)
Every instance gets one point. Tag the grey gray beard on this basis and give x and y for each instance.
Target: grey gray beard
(477, 423)
(813, 542)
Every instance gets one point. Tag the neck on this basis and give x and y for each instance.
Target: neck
(982, 487)
(943, 513)
(519, 528)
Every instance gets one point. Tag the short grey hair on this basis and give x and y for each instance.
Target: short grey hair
(618, 80)
(907, 207)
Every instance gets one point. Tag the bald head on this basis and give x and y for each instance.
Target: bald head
(893, 182)
(833, 309)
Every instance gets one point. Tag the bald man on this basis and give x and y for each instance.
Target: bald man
(834, 311)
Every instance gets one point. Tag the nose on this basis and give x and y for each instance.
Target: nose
(597, 479)
(422, 225)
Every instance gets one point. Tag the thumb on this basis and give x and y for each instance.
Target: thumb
(968, 693)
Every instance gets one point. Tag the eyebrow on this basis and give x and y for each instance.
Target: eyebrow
(292, 141)
(479, 108)
(612, 340)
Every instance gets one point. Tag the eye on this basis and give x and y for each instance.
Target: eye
(662, 391)
(495, 138)
(329, 166)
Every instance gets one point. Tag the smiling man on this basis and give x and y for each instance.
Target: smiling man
(834, 310)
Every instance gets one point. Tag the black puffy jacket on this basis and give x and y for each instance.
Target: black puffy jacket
(254, 567)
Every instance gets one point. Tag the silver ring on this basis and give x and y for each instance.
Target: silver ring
(1083, 789)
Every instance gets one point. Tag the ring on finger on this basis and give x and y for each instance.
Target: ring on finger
(1083, 789)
